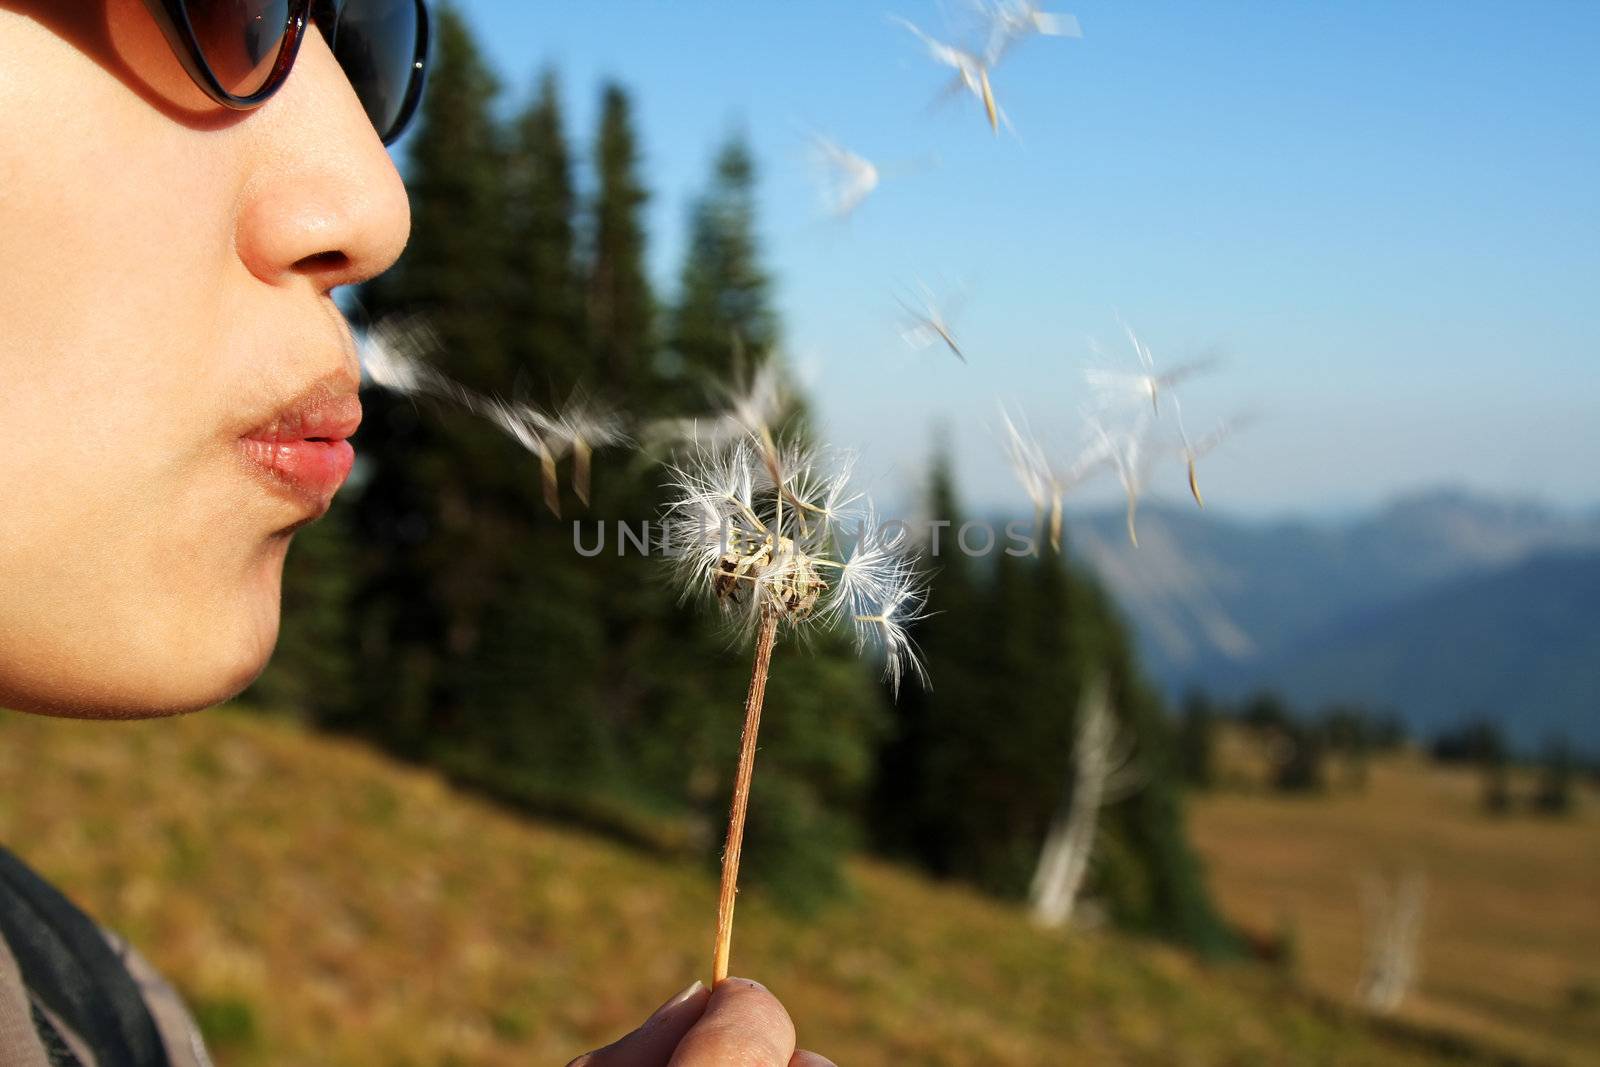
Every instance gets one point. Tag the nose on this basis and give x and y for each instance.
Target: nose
(323, 200)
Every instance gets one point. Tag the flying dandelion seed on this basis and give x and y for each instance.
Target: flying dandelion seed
(971, 73)
(750, 410)
(394, 356)
(526, 425)
(763, 532)
(928, 322)
(1012, 21)
(1131, 451)
(846, 179)
(581, 426)
(1047, 481)
(1193, 449)
(1123, 433)
(1113, 388)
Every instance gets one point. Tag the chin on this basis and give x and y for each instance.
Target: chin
(174, 693)
(191, 656)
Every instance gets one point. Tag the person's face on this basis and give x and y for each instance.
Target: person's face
(165, 277)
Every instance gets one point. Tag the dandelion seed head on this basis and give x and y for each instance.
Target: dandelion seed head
(763, 530)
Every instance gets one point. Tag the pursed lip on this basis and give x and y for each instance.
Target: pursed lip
(303, 447)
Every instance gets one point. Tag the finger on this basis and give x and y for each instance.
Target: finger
(652, 1043)
(810, 1059)
(743, 1024)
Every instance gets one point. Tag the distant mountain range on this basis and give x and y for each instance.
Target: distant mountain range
(1443, 606)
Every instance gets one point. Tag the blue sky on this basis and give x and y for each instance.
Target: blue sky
(1383, 215)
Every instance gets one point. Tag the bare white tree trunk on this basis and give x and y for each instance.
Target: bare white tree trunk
(1100, 776)
(1394, 928)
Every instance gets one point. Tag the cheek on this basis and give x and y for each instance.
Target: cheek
(130, 559)
(133, 568)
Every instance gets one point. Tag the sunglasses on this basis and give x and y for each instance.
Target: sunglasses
(240, 51)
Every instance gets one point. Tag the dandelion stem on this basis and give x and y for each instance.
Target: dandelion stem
(765, 638)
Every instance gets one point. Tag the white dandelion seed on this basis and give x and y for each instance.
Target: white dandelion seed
(845, 178)
(526, 425)
(394, 356)
(887, 627)
(971, 73)
(928, 321)
(581, 426)
(1193, 449)
(1012, 21)
(1115, 387)
(1131, 451)
(751, 410)
(1046, 479)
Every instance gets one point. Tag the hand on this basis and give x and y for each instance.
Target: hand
(739, 1023)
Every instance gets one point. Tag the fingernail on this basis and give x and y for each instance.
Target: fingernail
(693, 988)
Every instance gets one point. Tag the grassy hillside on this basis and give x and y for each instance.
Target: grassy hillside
(319, 904)
(1510, 944)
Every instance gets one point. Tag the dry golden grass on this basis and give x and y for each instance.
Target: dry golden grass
(1510, 947)
(319, 904)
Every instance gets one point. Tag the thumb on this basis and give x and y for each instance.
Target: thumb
(653, 1043)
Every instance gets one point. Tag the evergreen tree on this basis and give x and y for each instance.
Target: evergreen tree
(620, 309)
(1301, 768)
(1497, 799)
(539, 734)
(1197, 741)
(912, 805)
(1267, 714)
(723, 327)
(1389, 731)
(1554, 795)
(1350, 733)
(454, 266)
(638, 611)
(1476, 741)
(445, 511)
(1160, 887)
(974, 770)
(545, 300)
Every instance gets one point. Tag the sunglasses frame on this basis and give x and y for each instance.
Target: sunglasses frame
(173, 18)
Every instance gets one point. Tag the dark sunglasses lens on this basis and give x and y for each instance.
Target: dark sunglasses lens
(240, 39)
(376, 44)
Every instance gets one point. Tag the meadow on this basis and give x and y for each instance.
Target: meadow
(318, 903)
(1509, 953)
